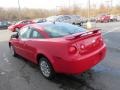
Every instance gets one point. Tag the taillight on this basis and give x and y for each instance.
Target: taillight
(72, 50)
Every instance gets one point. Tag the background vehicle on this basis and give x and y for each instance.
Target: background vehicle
(92, 19)
(72, 19)
(59, 47)
(103, 18)
(113, 18)
(39, 20)
(19, 25)
(60, 18)
(4, 24)
(77, 20)
(118, 18)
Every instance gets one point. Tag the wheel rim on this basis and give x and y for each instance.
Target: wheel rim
(12, 50)
(45, 69)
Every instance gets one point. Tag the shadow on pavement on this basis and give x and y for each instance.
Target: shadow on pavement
(78, 82)
(68, 82)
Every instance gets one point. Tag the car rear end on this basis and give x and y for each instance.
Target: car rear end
(74, 49)
(83, 52)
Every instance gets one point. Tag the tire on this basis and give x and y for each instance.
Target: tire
(80, 24)
(13, 51)
(46, 68)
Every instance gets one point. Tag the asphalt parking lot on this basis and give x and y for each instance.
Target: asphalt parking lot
(18, 74)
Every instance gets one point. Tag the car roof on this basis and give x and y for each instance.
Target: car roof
(44, 24)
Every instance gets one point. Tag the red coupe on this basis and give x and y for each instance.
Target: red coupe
(59, 47)
(103, 19)
(19, 25)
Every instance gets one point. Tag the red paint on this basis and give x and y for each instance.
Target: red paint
(68, 55)
(104, 18)
(19, 25)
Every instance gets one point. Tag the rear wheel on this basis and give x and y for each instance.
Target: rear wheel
(46, 68)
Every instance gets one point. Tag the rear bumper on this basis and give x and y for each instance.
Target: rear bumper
(80, 65)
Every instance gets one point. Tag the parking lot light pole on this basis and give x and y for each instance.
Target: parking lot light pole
(111, 6)
(89, 24)
(89, 9)
(69, 3)
(19, 10)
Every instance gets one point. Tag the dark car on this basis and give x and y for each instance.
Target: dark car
(4, 24)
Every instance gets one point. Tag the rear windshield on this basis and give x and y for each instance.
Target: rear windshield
(60, 30)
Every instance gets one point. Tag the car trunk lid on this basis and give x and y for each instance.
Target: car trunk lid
(86, 42)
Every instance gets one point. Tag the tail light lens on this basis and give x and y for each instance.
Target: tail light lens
(72, 50)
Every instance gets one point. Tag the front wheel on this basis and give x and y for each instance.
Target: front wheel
(13, 51)
(46, 68)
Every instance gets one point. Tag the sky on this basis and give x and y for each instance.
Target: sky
(53, 4)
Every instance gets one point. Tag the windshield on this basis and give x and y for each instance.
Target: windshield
(60, 30)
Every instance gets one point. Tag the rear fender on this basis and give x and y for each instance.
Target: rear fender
(49, 57)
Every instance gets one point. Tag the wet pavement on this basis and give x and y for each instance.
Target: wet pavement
(16, 73)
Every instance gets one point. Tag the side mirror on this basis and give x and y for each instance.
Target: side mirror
(17, 30)
(15, 36)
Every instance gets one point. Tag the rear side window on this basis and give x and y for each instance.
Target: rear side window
(35, 34)
(60, 30)
(66, 17)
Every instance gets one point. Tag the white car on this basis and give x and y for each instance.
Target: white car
(72, 19)
(113, 18)
(77, 19)
(118, 18)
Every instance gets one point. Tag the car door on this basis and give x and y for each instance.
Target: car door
(24, 35)
(31, 44)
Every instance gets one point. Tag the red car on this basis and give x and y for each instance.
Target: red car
(19, 25)
(59, 47)
(103, 19)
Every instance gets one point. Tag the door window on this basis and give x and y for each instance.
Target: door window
(66, 17)
(35, 34)
(25, 33)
